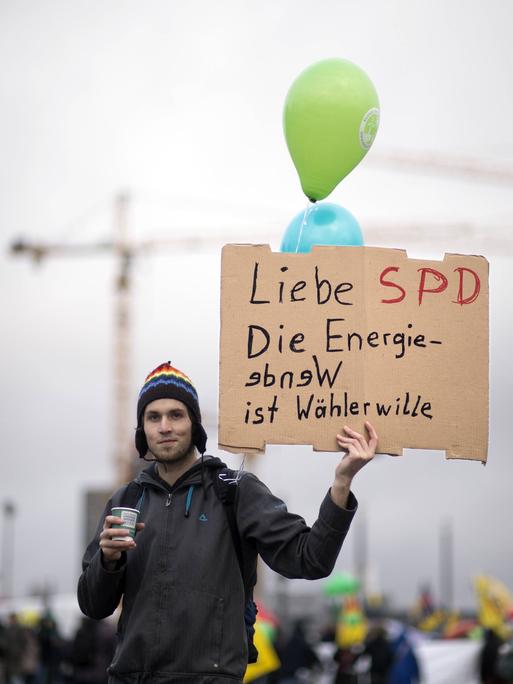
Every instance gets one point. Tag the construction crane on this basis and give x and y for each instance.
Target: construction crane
(125, 251)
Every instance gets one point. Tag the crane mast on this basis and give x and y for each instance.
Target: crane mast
(122, 351)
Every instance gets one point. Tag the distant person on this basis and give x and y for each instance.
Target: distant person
(2, 652)
(29, 665)
(91, 651)
(405, 666)
(496, 659)
(14, 644)
(378, 648)
(186, 582)
(296, 656)
(49, 650)
(345, 673)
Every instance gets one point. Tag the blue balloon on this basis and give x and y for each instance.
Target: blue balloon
(322, 224)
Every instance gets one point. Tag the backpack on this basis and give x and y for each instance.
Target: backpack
(226, 487)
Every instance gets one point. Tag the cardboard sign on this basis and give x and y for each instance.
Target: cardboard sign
(313, 342)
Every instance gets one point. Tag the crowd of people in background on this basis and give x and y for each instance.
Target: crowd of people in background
(37, 653)
(379, 660)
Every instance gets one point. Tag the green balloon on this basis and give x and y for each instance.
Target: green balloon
(341, 584)
(330, 119)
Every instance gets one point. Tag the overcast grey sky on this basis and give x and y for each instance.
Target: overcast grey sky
(181, 103)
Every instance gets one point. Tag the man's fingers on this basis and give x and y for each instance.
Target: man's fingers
(109, 530)
(117, 543)
(112, 520)
(348, 444)
(350, 440)
(115, 532)
(350, 447)
(112, 545)
(107, 539)
(115, 540)
(357, 436)
(356, 446)
(360, 439)
(372, 433)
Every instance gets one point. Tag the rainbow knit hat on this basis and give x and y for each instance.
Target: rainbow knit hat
(167, 382)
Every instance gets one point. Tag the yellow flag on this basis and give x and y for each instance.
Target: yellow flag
(268, 660)
(433, 621)
(495, 603)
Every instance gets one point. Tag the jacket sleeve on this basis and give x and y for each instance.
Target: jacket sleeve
(100, 590)
(283, 539)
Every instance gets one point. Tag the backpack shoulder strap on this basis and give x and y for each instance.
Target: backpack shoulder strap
(226, 489)
(225, 484)
(133, 496)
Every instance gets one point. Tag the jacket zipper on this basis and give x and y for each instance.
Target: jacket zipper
(169, 499)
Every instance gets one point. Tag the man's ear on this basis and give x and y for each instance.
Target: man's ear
(199, 437)
(140, 442)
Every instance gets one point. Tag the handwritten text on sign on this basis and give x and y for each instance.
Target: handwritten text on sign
(310, 342)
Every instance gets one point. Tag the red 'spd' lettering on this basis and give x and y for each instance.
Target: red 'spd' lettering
(426, 284)
(422, 285)
(389, 283)
(477, 287)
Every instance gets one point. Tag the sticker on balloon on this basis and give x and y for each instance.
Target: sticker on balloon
(369, 127)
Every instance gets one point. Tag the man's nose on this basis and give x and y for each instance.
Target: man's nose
(165, 424)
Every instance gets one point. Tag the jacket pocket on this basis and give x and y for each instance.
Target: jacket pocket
(191, 631)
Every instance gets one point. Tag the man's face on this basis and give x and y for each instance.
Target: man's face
(168, 430)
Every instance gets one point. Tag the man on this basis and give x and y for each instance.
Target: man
(183, 593)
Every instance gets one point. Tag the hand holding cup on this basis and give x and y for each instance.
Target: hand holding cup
(118, 534)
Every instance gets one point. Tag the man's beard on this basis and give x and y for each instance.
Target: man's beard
(177, 457)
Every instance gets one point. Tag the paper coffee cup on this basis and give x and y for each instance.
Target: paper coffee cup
(129, 516)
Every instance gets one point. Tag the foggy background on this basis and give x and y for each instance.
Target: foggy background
(179, 105)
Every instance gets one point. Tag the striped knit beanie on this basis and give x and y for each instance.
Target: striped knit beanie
(167, 382)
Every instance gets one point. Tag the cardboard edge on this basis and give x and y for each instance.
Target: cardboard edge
(395, 451)
(456, 255)
(453, 456)
(237, 245)
(316, 248)
(233, 449)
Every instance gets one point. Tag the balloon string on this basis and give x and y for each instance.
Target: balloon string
(303, 224)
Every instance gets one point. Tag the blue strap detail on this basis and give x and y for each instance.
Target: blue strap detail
(188, 501)
(141, 500)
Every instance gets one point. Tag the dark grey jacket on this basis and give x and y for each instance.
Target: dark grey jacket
(182, 618)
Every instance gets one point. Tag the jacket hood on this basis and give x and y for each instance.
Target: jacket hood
(194, 475)
(191, 479)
